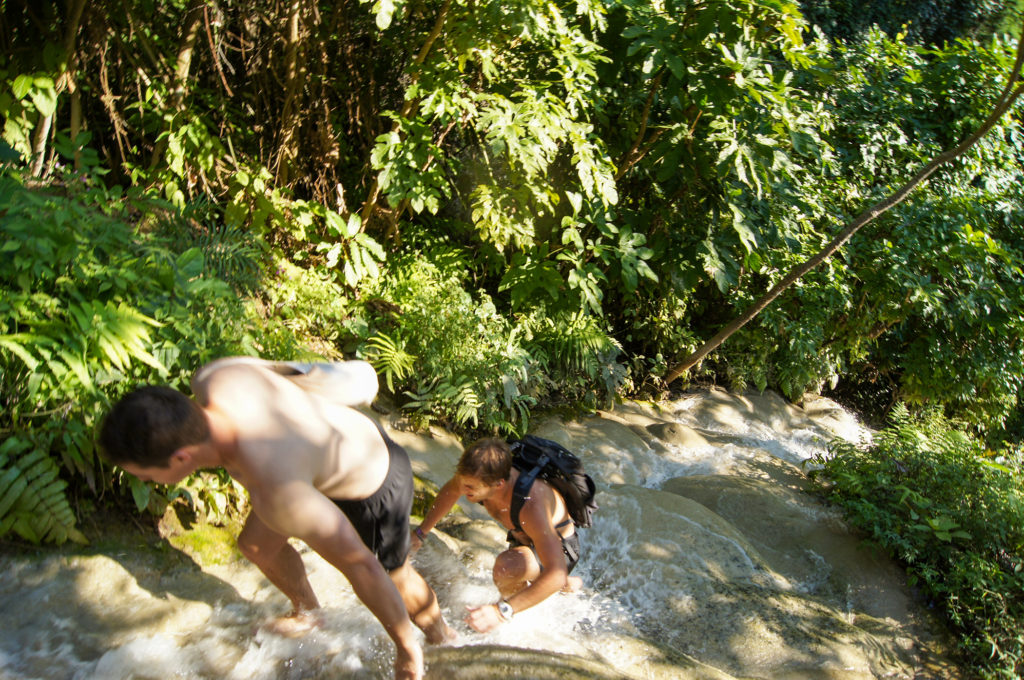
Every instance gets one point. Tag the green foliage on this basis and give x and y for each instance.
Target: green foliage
(310, 303)
(403, 157)
(942, 272)
(719, 140)
(455, 359)
(926, 21)
(389, 359)
(25, 98)
(580, 356)
(384, 11)
(926, 299)
(90, 307)
(192, 152)
(32, 500)
(214, 497)
(228, 252)
(453, 356)
(363, 252)
(953, 513)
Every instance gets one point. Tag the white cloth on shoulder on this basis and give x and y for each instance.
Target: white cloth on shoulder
(348, 383)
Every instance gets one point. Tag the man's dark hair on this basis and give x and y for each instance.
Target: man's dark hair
(489, 460)
(148, 425)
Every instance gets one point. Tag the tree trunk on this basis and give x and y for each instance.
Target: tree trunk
(1006, 99)
(65, 81)
(182, 67)
(288, 146)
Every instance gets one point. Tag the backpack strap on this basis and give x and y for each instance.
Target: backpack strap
(521, 491)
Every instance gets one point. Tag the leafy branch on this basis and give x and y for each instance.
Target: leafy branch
(371, 201)
(1011, 92)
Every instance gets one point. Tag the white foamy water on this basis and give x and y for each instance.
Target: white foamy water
(652, 561)
(736, 438)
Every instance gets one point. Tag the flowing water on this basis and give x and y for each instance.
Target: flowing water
(706, 560)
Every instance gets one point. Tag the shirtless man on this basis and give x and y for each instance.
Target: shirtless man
(541, 553)
(315, 468)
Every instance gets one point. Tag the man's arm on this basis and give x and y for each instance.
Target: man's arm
(442, 505)
(536, 520)
(346, 383)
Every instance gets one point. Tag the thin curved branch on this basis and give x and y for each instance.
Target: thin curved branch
(630, 158)
(215, 53)
(1009, 95)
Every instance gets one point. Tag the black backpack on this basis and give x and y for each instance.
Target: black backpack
(537, 457)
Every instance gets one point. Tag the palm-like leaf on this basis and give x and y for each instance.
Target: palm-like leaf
(390, 359)
(32, 500)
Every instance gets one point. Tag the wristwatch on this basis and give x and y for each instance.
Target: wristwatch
(505, 610)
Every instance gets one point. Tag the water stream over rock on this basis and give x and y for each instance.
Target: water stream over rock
(707, 560)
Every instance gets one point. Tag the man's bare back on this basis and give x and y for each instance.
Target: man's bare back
(285, 433)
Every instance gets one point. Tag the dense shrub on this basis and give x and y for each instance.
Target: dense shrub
(953, 513)
(449, 356)
(925, 21)
(925, 302)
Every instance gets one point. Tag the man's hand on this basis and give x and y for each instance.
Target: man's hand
(483, 619)
(408, 663)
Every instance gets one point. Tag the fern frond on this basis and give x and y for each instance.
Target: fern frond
(119, 331)
(463, 398)
(390, 359)
(230, 254)
(32, 500)
(17, 344)
(579, 345)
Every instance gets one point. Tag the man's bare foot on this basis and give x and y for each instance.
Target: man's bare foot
(295, 624)
(572, 584)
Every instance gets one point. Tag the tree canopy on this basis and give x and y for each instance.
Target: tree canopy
(502, 205)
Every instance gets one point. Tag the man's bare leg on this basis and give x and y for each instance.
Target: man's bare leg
(514, 569)
(517, 567)
(421, 603)
(283, 566)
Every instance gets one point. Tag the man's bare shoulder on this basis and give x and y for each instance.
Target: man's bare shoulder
(218, 366)
(540, 506)
(241, 384)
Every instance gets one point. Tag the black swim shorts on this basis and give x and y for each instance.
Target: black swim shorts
(382, 520)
